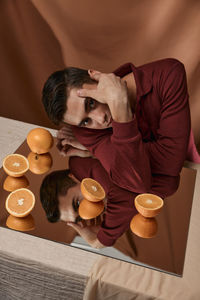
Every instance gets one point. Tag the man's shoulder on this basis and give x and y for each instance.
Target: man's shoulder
(163, 70)
(165, 64)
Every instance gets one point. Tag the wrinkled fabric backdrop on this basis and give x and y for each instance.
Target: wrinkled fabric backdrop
(39, 37)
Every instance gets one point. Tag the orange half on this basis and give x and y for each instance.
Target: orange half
(20, 202)
(144, 227)
(92, 190)
(13, 183)
(148, 205)
(21, 224)
(89, 210)
(15, 165)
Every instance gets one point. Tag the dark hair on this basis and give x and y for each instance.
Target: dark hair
(56, 90)
(53, 185)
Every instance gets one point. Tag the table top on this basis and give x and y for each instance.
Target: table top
(93, 266)
(12, 134)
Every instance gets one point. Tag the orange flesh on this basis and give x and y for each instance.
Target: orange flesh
(93, 188)
(149, 201)
(12, 162)
(23, 198)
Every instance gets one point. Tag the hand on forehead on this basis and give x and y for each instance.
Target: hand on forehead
(109, 87)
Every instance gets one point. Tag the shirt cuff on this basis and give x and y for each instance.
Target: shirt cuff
(125, 130)
(104, 239)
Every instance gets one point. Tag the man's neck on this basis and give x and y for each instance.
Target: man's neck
(131, 85)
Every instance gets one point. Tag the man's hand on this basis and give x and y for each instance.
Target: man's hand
(68, 145)
(88, 233)
(111, 90)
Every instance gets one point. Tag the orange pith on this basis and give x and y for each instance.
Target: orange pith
(20, 202)
(15, 165)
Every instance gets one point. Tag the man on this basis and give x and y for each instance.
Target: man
(60, 196)
(136, 122)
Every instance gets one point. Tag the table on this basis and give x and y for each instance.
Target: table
(34, 268)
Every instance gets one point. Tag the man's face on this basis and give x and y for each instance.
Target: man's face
(86, 112)
(69, 203)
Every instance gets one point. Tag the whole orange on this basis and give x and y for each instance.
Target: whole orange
(39, 163)
(39, 140)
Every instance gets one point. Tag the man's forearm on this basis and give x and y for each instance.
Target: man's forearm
(121, 111)
(88, 233)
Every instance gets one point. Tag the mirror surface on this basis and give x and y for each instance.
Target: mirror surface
(164, 252)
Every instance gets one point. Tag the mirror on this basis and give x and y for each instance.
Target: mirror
(164, 252)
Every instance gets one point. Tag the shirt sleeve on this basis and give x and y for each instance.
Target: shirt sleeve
(111, 229)
(121, 153)
(119, 213)
(168, 152)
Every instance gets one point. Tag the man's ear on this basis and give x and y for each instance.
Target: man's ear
(93, 72)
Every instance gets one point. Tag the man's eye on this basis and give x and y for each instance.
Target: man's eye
(75, 204)
(85, 122)
(91, 103)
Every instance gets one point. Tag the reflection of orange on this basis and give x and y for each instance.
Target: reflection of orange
(92, 190)
(15, 165)
(22, 224)
(148, 205)
(144, 227)
(13, 183)
(39, 163)
(39, 140)
(90, 210)
(20, 202)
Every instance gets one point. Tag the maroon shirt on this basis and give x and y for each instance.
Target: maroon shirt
(149, 151)
(120, 203)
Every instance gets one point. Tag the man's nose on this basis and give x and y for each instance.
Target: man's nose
(98, 116)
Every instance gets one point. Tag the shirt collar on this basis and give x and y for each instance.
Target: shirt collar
(142, 78)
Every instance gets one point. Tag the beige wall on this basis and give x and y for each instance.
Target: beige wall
(39, 37)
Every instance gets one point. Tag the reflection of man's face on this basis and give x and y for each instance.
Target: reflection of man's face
(69, 203)
(86, 112)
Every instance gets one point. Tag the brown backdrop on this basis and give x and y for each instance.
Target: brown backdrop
(41, 36)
